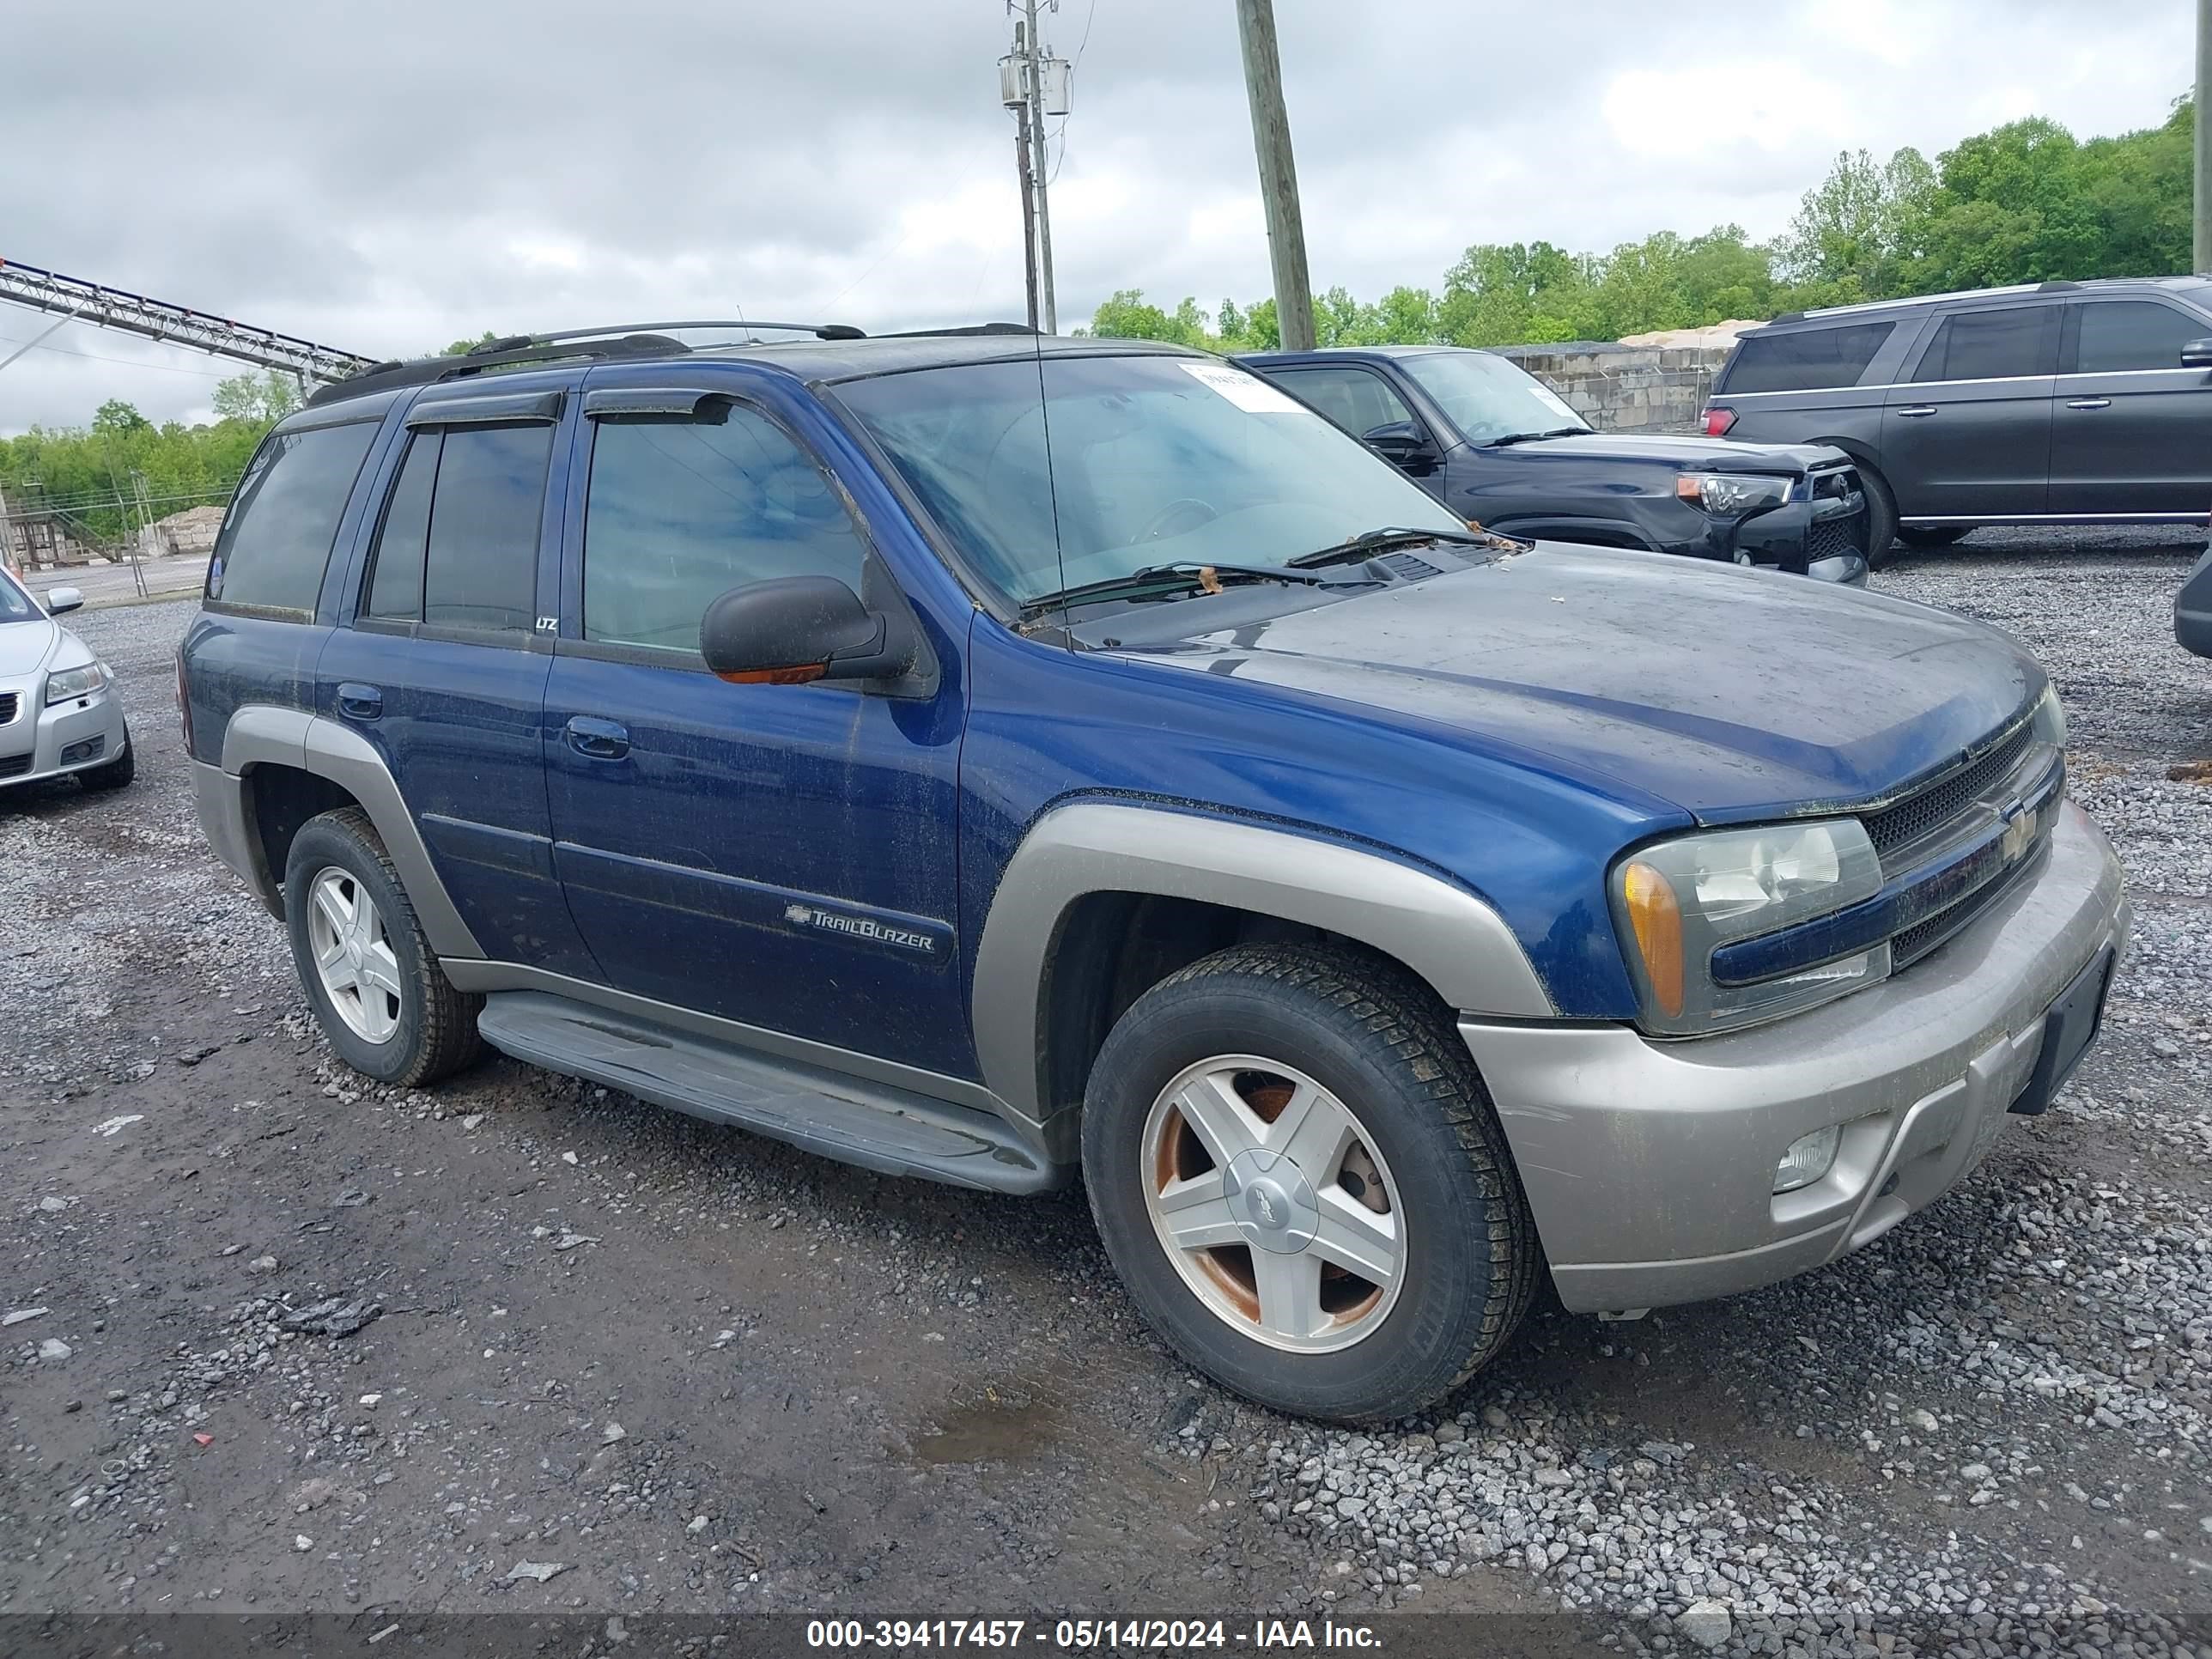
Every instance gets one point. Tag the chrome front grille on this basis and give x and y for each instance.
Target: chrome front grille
(11, 704)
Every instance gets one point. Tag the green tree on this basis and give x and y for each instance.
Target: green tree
(117, 419)
(265, 398)
(1856, 230)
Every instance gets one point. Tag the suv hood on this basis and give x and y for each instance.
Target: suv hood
(1730, 694)
(1685, 454)
(26, 645)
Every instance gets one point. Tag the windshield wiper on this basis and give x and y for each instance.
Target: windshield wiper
(1371, 541)
(1161, 580)
(1524, 437)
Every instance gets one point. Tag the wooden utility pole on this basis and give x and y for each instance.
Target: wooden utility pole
(1038, 181)
(2203, 262)
(1029, 216)
(1278, 176)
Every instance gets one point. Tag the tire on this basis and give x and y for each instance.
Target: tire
(1931, 535)
(1367, 1038)
(115, 774)
(410, 1026)
(1881, 518)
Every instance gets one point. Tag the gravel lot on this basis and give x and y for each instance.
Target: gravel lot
(699, 1373)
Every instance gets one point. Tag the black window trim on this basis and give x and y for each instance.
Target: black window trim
(1910, 367)
(678, 405)
(414, 627)
(291, 428)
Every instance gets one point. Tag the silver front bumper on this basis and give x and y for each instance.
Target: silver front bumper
(41, 732)
(1649, 1165)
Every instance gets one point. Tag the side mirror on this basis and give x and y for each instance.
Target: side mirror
(59, 599)
(789, 630)
(1401, 443)
(2198, 354)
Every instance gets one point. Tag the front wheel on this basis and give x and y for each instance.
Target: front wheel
(116, 774)
(1297, 1173)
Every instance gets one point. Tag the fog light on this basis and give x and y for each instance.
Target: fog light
(1808, 1158)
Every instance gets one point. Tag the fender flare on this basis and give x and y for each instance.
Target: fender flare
(1453, 939)
(263, 734)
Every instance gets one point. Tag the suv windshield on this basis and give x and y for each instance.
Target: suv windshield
(15, 603)
(1154, 460)
(1488, 398)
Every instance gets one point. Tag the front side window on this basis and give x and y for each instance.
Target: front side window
(1992, 345)
(15, 603)
(1356, 399)
(1487, 397)
(1807, 360)
(2119, 335)
(681, 511)
(1143, 460)
(277, 538)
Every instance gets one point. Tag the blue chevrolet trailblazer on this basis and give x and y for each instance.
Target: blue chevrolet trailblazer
(993, 758)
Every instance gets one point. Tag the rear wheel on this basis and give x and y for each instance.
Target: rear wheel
(1931, 535)
(376, 987)
(1298, 1173)
(1881, 517)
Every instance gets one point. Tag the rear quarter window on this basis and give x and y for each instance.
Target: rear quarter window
(277, 538)
(1805, 359)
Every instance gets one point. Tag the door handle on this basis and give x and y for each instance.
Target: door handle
(358, 702)
(598, 739)
(2088, 402)
(1914, 411)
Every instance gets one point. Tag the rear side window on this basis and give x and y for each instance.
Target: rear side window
(1807, 360)
(2118, 335)
(1355, 398)
(274, 545)
(457, 548)
(682, 511)
(1992, 345)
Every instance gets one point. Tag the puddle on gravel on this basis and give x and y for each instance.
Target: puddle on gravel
(994, 1430)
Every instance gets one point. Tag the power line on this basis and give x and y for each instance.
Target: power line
(127, 362)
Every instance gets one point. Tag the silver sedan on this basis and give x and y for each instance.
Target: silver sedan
(57, 714)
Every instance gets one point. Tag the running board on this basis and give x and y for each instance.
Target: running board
(892, 1131)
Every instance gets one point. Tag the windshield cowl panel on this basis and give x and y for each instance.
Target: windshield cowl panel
(1125, 464)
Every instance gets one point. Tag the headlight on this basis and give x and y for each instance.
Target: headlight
(1727, 495)
(75, 681)
(2048, 723)
(1678, 901)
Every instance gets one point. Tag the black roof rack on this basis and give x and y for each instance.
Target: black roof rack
(563, 345)
(965, 329)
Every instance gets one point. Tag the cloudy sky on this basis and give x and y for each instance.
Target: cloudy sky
(388, 177)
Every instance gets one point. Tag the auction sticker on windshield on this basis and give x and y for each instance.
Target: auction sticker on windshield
(1247, 391)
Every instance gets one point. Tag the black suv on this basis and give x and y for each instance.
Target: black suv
(2062, 403)
(1497, 445)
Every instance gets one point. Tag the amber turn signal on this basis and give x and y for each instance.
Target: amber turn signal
(799, 674)
(1656, 915)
